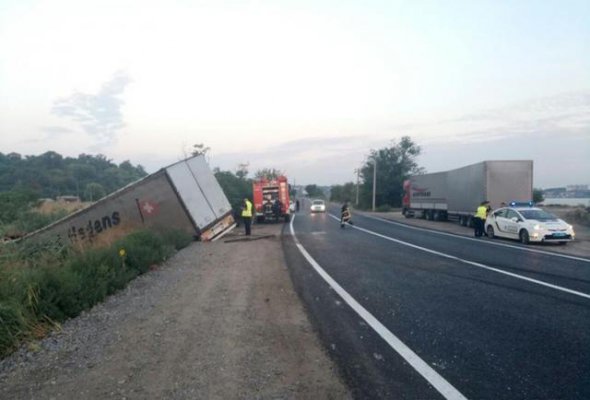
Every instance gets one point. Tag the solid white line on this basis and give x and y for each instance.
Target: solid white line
(475, 264)
(447, 390)
(388, 221)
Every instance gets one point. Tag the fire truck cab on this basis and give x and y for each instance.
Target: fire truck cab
(271, 199)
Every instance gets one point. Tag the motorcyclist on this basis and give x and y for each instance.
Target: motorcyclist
(345, 216)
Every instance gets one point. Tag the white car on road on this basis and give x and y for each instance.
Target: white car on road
(528, 224)
(318, 206)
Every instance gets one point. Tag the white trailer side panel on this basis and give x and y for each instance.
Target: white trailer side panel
(429, 191)
(509, 181)
(467, 188)
(209, 186)
(191, 194)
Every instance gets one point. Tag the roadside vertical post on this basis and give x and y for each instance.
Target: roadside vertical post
(374, 181)
(357, 185)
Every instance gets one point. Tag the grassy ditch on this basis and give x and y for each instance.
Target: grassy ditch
(41, 287)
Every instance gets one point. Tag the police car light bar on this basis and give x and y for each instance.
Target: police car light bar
(522, 203)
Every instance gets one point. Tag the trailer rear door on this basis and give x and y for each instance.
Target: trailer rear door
(191, 194)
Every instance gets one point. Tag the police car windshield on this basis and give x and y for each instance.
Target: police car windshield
(539, 215)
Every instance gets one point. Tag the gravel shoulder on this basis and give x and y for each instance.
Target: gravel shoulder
(217, 321)
(579, 247)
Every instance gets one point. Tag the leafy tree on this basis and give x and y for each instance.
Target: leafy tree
(15, 202)
(94, 191)
(200, 149)
(314, 191)
(342, 193)
(234, 187)
(268, 173)
(51, 175)
(242, 171)
(394, 164)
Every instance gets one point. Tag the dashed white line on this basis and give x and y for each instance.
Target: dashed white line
(447, 390)
(473, 263)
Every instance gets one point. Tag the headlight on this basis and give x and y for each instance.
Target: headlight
(537, 227)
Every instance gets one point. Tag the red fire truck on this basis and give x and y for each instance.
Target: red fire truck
(271, 199)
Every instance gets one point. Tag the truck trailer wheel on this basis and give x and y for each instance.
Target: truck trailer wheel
(524, 236)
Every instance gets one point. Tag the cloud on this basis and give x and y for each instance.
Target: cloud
(529, 130)
(99, 114)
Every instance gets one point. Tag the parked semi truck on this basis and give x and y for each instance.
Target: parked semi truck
(265, 194)
(456, 194)
(183, 196)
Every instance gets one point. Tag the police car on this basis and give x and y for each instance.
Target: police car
(528, 224)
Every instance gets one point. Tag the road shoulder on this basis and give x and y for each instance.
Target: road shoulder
(218, 320)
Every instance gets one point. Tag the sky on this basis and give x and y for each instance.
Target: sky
(306, 87)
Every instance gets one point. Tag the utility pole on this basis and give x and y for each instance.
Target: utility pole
(357, 185)
(374, 181)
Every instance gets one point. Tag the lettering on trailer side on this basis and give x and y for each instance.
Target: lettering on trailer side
(92, 228)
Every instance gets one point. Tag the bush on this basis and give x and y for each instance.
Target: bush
(179, 239)
(40, 284)
(12, 325)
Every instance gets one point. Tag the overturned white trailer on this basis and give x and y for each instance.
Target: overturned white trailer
(183, 196)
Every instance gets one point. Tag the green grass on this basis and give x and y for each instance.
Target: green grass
(40, 287)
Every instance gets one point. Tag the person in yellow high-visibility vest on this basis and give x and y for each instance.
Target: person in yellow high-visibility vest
(480, 218)
(247, 215)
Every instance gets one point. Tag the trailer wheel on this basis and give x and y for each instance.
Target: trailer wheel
(490, 231)
(524, 236)
(430, 216)
(462, 221)
(470, 221)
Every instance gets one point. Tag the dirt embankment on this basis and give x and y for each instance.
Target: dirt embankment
(217, 321)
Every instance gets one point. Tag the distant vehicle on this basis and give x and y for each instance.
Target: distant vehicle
(318, 206)
(457, 193)
(265, 193)
(528, 224)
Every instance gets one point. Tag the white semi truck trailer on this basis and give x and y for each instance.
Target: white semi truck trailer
(455, 194)
(183, 196)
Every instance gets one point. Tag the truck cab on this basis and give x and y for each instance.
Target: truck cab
(271, 199)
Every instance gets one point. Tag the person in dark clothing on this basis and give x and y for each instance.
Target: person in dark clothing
(276, 209)
(480, 218)
(345, 216)
(297, 205)
(247, 216)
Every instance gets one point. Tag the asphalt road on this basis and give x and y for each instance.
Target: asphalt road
(413, 314)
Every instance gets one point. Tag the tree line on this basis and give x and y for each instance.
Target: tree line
(49, 175)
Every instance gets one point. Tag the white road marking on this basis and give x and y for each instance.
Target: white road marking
(447, 390)
(388, 221)
(473, 263)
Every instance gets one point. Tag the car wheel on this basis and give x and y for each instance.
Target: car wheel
(490, 231)
(524, 236)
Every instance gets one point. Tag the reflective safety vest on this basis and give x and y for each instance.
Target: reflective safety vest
(247, 212)
(482, 212)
